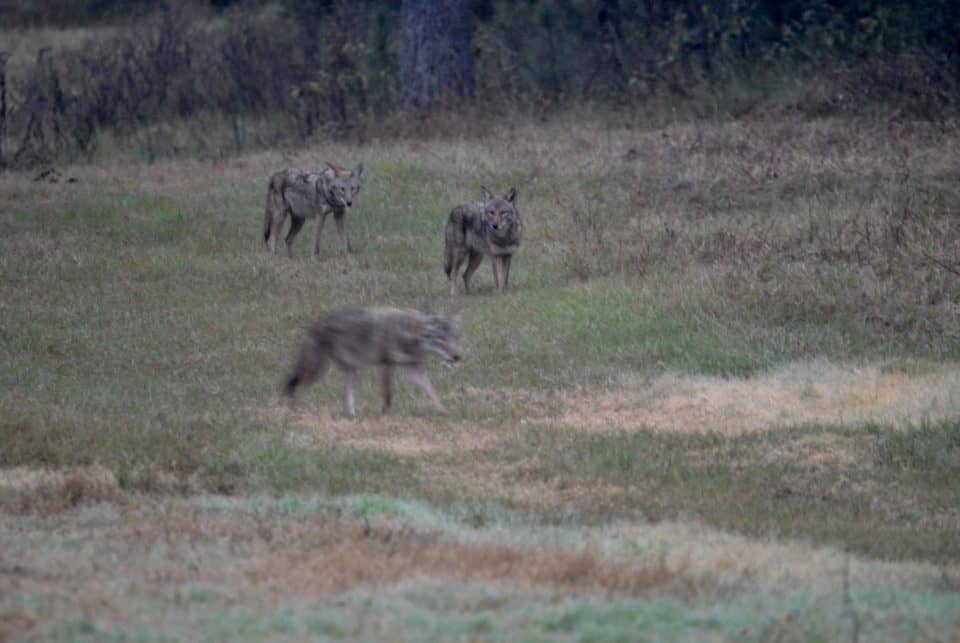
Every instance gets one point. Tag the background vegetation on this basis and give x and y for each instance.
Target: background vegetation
(168, 79)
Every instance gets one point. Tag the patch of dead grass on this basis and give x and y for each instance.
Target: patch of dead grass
(465, 456)
(793, 396)
(274, 558)
(351, 554)
(820, 450)
(403, 435)
(523, 484)
(323, 555)
(733, 559)
(31, 490)
(16, 622)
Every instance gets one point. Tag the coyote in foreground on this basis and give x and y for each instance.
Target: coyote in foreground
(305, 195)
(385, 337)
(489, 227)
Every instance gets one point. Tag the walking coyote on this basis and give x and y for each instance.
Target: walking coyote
(385, 337)
(305, 195)
(489, 227)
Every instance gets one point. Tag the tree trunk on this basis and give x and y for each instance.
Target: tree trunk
(435, 58)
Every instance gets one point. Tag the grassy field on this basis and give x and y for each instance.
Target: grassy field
(721, 401)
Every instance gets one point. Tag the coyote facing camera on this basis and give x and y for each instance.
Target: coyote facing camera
(489, 227)
(387, 337)
(308, 195)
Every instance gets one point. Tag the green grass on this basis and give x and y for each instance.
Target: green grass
(754, 485)
(929, 449)
(491, 614)
(436, 612)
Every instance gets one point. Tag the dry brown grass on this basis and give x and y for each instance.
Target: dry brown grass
(799, 394)
(400, 434)
(267, 559)
(16, 622)
(472, 459)
(275, 559)
(29, 490)
(187, 176)
(731, 558)
(342, 556)
(520, 483)
(792, 396)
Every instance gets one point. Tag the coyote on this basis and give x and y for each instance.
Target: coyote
(305, 195)
(490, 227)
(385, 337)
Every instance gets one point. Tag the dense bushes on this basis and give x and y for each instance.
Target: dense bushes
(175, 67)
(329, 67)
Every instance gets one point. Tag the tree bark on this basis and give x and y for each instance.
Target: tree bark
(435, 59)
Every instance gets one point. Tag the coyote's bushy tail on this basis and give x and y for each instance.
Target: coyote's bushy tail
(290, 388)
(453, 237)
(447, 258)
(312, 362)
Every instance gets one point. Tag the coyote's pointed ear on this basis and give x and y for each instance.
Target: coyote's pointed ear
(334, 167)
(487, 194)
(330, 172)
(511, 195)
(358, 171)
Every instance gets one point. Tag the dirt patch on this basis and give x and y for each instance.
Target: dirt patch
(818, 394)
(29, 490)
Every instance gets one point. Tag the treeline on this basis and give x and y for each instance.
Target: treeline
(330, 67)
